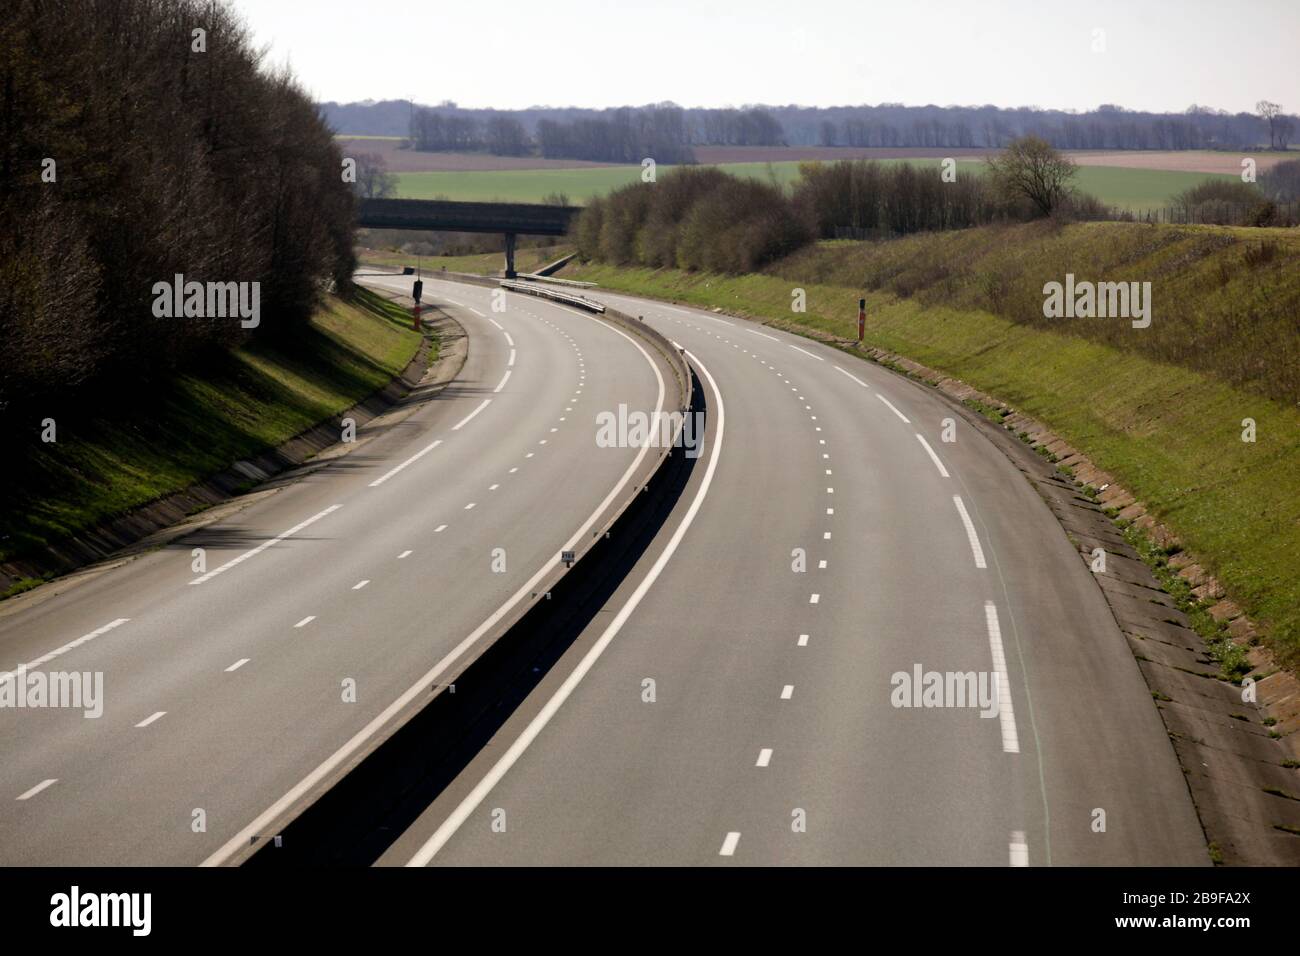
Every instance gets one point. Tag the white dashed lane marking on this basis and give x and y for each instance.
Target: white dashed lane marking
(971, 536)
(27, 795)
(893, 409)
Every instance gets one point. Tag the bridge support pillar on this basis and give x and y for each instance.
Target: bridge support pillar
(510, 255)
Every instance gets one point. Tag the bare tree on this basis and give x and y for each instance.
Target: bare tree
(373, 179)
(1031, 169)
(1270, 112)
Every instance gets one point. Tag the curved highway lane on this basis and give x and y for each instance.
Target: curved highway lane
(232, 693)
(743, 698)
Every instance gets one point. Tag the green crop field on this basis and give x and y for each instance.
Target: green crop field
(1136, 189)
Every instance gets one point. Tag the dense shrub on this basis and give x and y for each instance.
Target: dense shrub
(692, 219)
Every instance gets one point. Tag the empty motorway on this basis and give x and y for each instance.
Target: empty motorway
(235, 689)
(735, 703)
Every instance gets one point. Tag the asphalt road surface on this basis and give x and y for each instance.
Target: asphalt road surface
(229, 694)
(734, 707)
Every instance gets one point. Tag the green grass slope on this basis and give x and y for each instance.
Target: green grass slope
(1167, 426)
(115, 456)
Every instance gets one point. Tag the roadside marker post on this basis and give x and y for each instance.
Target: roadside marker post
(415, 317)
(862, 319)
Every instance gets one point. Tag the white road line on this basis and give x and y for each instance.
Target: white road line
(933, 457)
(764, 757)
(1019, 849)
(821, 564)
(826, 535)
(421, 686)
(729, 844)
(765, 335)
(476, 312)
(441, 527)
(151, 718)
(509, 341)
(360, 584)
(465, 421)
(470, 505)
(499, 326)
(971, 536)
(505, 378)
(476, 796)
(892, 408)
(787, 691)
(1006, 715)
(806, 352)
(306, 620)
(60, 651)
(237, 665)
(266, 544)
(511, 360)
(803, 640)
(815, 599)
(852, 376)
(403, 555)
(410, 461)
(38, 788)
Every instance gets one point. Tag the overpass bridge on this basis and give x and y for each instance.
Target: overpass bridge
(509, 219)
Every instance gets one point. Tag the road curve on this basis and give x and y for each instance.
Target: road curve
(734, 706)
(321, 603)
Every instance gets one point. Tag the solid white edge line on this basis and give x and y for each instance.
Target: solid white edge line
(504, 378)
(892, 408)
(307, 783)
(933, 457)
(465, 421)
(971, 536)
(507, 760)
(60, 651)
(806, 352)
(1006, 713)
(266, 544)
(511, 361)
(410, 461)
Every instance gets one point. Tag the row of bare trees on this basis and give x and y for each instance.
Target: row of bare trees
(140, 139)
(706, 219)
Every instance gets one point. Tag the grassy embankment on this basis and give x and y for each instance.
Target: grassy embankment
(115, 457)
(1137, 189)
(1160, 408)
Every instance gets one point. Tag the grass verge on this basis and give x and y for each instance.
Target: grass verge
(120, 454)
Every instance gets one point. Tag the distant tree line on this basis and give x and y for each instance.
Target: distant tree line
(705, 219)
(890, 125)
(132, 149)
(618, 136)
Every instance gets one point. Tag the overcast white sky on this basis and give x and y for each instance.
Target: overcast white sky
(1158, 54)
